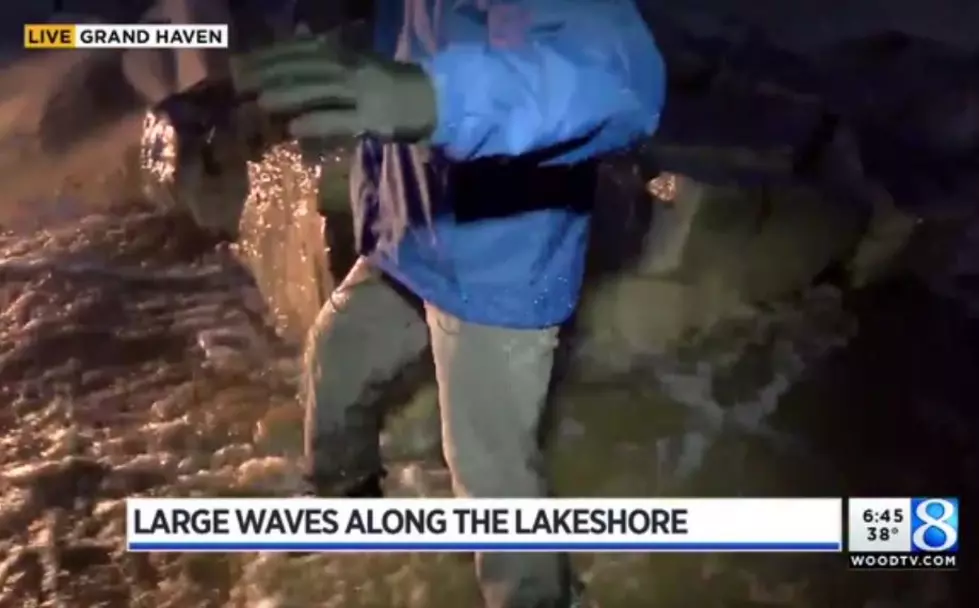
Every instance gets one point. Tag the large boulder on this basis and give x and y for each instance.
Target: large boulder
(709, 254)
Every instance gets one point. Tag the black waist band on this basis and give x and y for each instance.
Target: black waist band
(494, 187)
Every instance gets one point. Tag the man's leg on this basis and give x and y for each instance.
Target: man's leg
(493, 386)
(363, 337)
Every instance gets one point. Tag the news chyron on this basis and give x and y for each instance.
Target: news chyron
(903, 533)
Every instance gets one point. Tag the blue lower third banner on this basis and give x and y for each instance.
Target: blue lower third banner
(488, 525)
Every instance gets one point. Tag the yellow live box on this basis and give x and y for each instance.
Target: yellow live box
(49, 36)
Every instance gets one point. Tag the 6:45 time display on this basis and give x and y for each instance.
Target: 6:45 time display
(883, 516)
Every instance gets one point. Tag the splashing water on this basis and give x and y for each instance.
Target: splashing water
(158, 150)
(290, 265)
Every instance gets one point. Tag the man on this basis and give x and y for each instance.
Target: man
(471, 189)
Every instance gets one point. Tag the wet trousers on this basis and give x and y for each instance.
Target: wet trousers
(492, 389)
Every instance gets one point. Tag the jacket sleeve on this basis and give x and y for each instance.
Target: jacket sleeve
(584, 76)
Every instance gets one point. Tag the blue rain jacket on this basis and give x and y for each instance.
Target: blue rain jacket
(530, 93)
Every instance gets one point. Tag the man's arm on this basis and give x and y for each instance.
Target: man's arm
(579, 73)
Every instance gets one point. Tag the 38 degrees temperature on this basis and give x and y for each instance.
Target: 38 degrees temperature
(878, 530)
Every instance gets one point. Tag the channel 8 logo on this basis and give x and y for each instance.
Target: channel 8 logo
(935, 525)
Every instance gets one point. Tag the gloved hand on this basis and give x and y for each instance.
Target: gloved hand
(330, 91)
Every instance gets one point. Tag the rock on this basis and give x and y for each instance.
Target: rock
(194, 153)
(630, 316)
(709, 254)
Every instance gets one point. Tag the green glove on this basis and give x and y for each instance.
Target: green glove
(331, 91)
